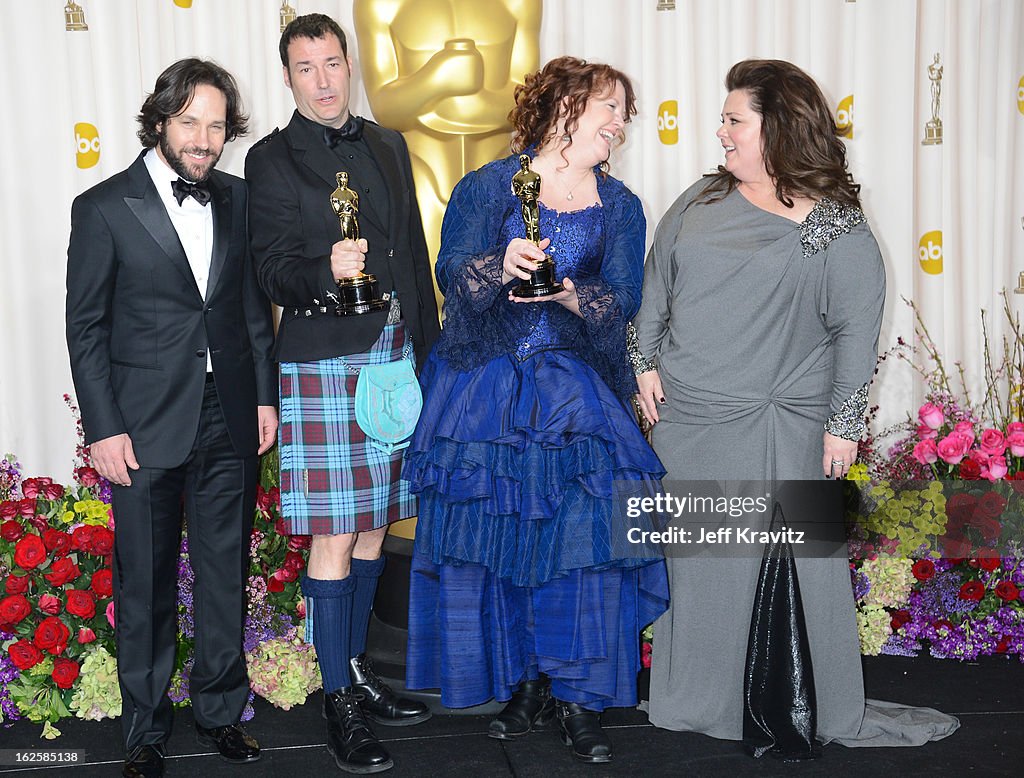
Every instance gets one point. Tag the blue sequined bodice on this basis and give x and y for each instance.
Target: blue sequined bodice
(577, 246)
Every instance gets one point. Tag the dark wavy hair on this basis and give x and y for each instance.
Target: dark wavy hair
(313, 26)
(568, 82)
(799, 138)
(174, 90)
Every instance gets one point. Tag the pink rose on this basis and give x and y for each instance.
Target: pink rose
(995, 469)
(993, 442)
(924, 432)
(1014, 426)
(965, 428)
(110, 613)
(1015, 440)
(954, 447)
(931, 415)
(49, 604)
(926, 452)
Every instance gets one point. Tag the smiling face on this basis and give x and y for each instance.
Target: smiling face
(599, 127)
(740, 134)
(319, 75)
(192, 140)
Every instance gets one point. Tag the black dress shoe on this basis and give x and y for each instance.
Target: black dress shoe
(531, 707)
(378, 702)
(144, 762)
(233, 743)
(349, 738)
(581, 729)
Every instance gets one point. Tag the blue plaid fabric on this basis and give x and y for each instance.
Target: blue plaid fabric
(332, 480)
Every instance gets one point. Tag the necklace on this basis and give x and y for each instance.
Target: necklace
(568, 192)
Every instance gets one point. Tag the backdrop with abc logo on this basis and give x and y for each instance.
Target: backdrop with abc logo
(929, 96)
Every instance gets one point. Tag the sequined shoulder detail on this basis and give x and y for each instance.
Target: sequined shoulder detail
(826, 222)
(848, 421)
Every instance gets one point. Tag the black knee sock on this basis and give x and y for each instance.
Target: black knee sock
(329, 604)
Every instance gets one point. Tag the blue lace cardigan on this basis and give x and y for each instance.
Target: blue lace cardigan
(481, 324)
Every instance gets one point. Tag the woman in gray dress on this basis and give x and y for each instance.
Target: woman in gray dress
(762, 304)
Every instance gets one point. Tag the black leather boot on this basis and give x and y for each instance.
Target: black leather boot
(378, 702)
(349, 738)
(530, 708)
(581, 729)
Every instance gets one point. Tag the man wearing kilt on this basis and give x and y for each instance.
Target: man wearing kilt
(335, 483)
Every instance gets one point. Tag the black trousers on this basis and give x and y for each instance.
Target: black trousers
(218, 491)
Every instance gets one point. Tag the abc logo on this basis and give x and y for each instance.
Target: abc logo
(1020, 95)
(668, 122)
(87, 141)
(844, 117)
(929, 251)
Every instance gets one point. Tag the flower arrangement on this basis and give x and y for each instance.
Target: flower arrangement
(937, 541)
(57, 650)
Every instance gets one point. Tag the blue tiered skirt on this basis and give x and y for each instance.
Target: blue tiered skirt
(519, 565)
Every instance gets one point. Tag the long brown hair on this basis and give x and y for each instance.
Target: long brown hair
(799, 139)
(568, 82)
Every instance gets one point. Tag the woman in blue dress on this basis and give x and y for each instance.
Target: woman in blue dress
(523, 585)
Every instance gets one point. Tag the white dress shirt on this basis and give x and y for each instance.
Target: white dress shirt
(193, 223)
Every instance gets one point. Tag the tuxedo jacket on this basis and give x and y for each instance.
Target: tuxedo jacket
(138, 330)
(291, 175)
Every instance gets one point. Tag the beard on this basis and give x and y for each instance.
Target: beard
(186, 168)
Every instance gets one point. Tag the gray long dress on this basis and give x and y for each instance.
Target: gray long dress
(764, 330)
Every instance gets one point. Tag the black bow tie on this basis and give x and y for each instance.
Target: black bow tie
(350, 130)
(183, 189)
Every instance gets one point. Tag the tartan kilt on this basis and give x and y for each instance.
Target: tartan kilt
(332, 480)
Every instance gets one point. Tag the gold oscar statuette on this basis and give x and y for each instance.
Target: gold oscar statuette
(359, 293)
(933, 127)
(287, 14)
(74, 18)
(526, 186)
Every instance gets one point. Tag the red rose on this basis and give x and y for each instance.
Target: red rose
(81, 603)
(49, 604)
(293, 560)
(300, 542)
(65, 671)
(899, 618)
(8, 509)
(988, 559)
(31, 487)
(955, 547)
(81, 538)
(59, 543)
(16, 584)
(102, 583)
(27, 507)
(52, 635)
(62, 571)
(87, 476)
(923, 569)
(940, 623)
(40, 523)
(262, 499)
(102, 541)
(280, 527)
(30, 552)
(1007, 591)
(970, 470)
(960, 508)
(53, 491)
(11, 530)
(274, 584)
(287, 574)
(991, 529)
(13, 609)
(1002, 645)
(24, 655)
(86, 635)
(991, 504)
(972, 590)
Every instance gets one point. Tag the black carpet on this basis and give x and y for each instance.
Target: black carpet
(987, 696)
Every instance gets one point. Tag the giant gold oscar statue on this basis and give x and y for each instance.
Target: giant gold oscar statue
(443, 73)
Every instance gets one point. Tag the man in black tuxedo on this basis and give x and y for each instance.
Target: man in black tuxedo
(335, 483)
(170, 340)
